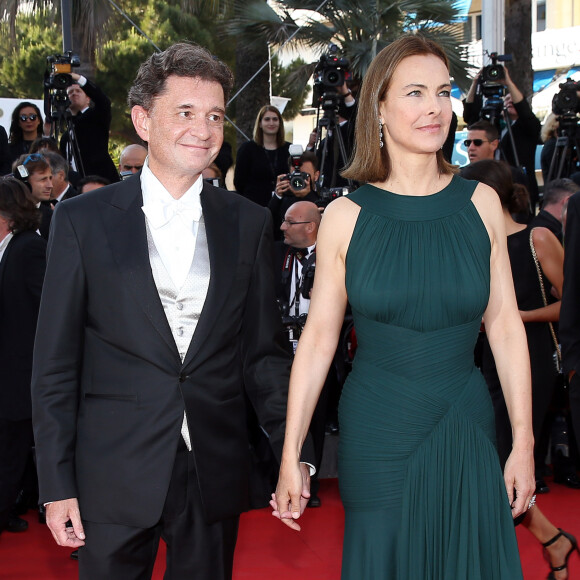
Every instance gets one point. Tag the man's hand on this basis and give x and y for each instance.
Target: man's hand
(58, 514)
(282, 185)
(292, 495)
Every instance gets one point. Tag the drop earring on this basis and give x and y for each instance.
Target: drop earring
(381, 143)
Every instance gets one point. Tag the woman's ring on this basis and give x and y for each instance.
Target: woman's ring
(532, 502)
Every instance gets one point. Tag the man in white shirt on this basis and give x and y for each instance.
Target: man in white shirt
(165, 325)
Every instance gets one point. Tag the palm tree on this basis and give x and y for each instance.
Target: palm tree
(90, 19)
(360, 28)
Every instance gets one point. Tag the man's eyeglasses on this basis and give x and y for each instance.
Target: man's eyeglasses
(31, 117)
(33, 157)
(289, 223)
(131, 167)
(476, 142)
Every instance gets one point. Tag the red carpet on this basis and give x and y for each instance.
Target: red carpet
(269, 551)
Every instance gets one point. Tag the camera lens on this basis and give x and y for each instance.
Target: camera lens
(297, 182)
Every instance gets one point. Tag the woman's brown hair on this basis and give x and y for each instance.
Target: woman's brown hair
(369, 162)
(17, 205)
(498, 175)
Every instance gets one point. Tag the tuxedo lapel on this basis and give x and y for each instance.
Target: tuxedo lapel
(222, 231)
(125, 230)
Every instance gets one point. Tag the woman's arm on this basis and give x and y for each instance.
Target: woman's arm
(551, 258)
(315, 352)
(507, 338)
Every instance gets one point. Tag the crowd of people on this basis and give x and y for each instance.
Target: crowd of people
(165, 312)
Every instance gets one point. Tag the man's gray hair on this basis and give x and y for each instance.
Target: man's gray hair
(57, 162)
(557, 189)
(183, 59)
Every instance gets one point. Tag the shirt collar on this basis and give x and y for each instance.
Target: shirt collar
(152, 188)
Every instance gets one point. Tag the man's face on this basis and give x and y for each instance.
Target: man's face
(480, 147)
(295, 232)
(79, 100)
(509, 107)
(184, 128)
(58, 183)
(41, 184)
(132, 160)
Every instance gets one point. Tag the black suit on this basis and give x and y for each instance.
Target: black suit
(45, 209)
(107, 371)
(569, 325)
(21, 275)
(92, 135)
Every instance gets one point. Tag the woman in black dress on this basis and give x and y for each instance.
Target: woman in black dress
(259, 162)
(558, 545)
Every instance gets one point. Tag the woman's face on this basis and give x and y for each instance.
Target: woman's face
(28, 120)
(416, 111)
(270, 123)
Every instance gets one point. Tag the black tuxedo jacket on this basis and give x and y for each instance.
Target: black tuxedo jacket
(109, 388)
(569, 324)
(21, 275)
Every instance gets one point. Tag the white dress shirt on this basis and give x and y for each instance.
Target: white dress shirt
(173, 223)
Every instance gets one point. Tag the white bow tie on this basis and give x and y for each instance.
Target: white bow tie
(160, 212)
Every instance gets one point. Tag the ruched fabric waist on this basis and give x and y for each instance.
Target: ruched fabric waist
(413, 355)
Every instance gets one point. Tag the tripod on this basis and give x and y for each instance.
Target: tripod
(56, 108)
(565, 158)
(329, 120)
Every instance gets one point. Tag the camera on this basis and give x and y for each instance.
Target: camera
(299, 181)
(328, 194)
(331, 69)
(566, 103)
(59, 68)
(331, 72)
(491, 86)
(494, 73)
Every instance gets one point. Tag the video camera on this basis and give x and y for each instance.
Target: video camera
(298, 179)
(57, 78)
(566, 102)
(331, 72)
(59, 69)
(491, 86)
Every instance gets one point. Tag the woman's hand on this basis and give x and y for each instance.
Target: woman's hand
(519, 479)
(292, 494)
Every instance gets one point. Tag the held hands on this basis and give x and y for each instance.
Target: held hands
(519, 480)
(292, 494)
(58, 514)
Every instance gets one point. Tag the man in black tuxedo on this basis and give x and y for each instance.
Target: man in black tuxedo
(165, 321)
(570, 311)
(37, 174)
(22, 266)
(91, 118)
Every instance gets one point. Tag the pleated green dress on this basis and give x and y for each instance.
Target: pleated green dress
(419, 474)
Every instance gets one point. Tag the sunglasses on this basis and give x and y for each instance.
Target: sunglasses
(476, 142)
(131, 167)
(31, 117)
(33, 157)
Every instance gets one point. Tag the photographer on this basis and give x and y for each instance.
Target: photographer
(296, 263)
(91, 119)
(298, 185)
(525, 126)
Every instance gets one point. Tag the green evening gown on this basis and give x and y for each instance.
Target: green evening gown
(419, 474)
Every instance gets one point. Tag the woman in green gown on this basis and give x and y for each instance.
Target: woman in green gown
(421, 256)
